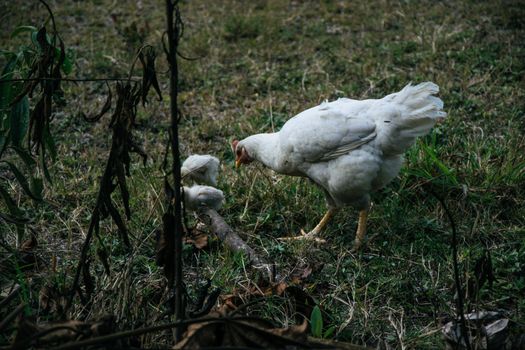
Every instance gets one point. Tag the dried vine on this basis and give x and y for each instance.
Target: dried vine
(173, 216)
(457, 280)
(129, 95)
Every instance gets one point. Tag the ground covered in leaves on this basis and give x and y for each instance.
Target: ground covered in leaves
(252, 66)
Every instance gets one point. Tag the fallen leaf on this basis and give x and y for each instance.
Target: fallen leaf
(280, 288)
(29, 244)
(297, 332)
(241, 332)
(198, 238)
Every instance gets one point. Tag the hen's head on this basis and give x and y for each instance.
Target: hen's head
(241, 154)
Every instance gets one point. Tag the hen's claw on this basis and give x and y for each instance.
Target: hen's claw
(310, 236)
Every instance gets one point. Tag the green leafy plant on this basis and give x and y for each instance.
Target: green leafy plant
(31, 73)
(316, 322)
(316, 325)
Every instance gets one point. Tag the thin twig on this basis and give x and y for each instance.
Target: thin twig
(9, 318)
(135, 60)
(175, 29)
(83, 255)
(50, 15)
(75, 80)
(134, 332)
(10, 297)
(457, 281)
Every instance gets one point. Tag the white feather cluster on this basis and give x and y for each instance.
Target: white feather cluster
(201, 169)
(197, 196)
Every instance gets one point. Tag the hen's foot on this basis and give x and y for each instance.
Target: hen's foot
(312, 235)
(304, 236)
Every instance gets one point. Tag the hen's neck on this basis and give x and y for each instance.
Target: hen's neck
(264, 148)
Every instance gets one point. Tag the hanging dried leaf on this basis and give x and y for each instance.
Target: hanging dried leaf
(103, 256)
(88, 279)
(167, 258)
(117, 169)
(105, 108)
(149, 76)
(483, 273)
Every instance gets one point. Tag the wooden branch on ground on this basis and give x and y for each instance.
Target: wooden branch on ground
(228, 235)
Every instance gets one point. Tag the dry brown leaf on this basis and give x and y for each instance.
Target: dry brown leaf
(198, 238)
(44, 298)
(160, 249)
(306, 272)
(280, 288)
(297, 332)
(296, 280)
(302, 301)
(61, 332)
(231, 332)
(29, 244)
(51, 299)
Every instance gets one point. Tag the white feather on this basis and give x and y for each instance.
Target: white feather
(197, 196)
(202, 169)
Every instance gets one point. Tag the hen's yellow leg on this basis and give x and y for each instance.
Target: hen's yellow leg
(361, 229)
(312, 235)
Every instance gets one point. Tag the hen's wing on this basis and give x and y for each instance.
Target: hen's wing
(327, 131)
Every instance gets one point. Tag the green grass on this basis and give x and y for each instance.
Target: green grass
(263, 62)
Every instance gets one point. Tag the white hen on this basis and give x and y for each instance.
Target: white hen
(201, 168)
(197, 196)
(347, 147)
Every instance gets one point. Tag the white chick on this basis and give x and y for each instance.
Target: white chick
(201, 168)
(197, 195)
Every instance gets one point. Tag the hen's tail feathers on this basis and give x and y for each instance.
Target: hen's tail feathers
(419, 112)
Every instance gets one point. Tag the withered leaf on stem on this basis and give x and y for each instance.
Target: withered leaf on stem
(149, 75)
(117, 168)
(103, 256)
(483, 273)
(165, 254)
(105, 108)
(56, 74)
(88, 279)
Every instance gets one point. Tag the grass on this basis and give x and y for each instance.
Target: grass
(260, 63)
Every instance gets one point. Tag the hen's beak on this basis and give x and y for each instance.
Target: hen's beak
(237, 163)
